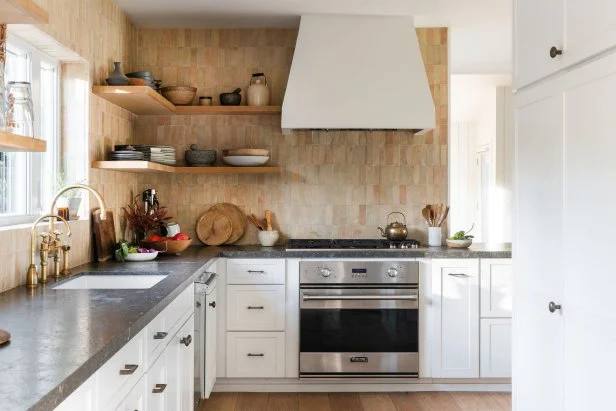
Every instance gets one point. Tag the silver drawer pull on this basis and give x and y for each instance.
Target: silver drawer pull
(129, 369)
(255, 355)
(160, 335)
(458, 274)
(256, 272)
(307, 297)
(255, 307)
(159, 388)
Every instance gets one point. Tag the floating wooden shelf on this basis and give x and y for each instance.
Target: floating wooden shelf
(149, 167)
(12, 142)
(143, 100)
(22, 12)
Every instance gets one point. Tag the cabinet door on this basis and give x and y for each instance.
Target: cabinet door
(136, 398)
(82, 399)
(180, 368)
(495, 348)
(590, 173)
(255, 355)
(538, 236)
(496, 285)
(538, 26)
(590, 28)
(156, 384)
(455, 289)
(210, 342)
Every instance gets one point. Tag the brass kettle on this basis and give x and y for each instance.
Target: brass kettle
(395, 231)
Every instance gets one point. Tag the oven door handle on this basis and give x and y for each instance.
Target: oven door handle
(308, 297)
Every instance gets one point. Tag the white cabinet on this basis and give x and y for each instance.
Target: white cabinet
(180, 367)
(211, 338)
(255, 308)
(455, 291)
(157, 382)
(495, 348)
(538, 26)
(256, 271)
(496, 281)
(255, 355)
(83, 398)
(136, 398)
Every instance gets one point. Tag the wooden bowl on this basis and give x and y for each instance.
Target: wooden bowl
(137, 82)
(168, 246)
(179, 95)
(458, 243)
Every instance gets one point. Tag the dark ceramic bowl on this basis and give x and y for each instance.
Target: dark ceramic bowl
(199, 158)
(231, 99)
(140, 74)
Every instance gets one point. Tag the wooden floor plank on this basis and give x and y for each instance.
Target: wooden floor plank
(406, 401)
(442, 401)
(314, 402)
(220, 401)
(345, 402)
(502, 400)
(476, 401)
(377, 402)
(251, 401)
(283, 402)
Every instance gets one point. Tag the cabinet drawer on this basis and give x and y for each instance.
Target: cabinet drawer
(122, 370)
(496, 281)
(256, 271)
(255, 355)
(255, 307)
(159, 330)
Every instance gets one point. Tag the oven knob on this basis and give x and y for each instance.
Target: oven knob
(392, 272)
(326, 272)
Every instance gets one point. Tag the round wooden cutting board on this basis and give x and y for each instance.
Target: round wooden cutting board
(239, 221)
(5, 337)
(214, 227)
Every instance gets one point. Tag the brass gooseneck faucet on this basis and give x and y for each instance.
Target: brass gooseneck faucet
(97, 195)
(47, 245)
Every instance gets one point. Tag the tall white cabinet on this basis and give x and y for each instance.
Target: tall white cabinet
(565, 167)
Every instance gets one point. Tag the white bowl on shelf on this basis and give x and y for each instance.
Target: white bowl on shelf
(245, 161)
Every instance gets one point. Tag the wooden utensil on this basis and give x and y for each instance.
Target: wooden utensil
(425, 212)
(104, 235)
(255, 220)
(237, 217)
(213, 228)
(268, 220)
(444, 216)
(5, 337)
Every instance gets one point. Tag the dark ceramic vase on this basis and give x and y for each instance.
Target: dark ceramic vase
(117, 77)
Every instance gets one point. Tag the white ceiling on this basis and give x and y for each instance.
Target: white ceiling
(480, 29)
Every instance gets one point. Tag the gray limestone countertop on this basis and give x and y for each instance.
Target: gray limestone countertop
(61, 337)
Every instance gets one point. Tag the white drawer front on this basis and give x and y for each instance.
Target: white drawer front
(122, 370)
(255, 355)
(496, 288)
(256, 271)
(160, 329)
(255, 307)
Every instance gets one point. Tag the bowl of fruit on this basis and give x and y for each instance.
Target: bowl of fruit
(129, 252)
(168, 245)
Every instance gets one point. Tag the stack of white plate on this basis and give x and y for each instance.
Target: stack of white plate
(245, 157)
(153, 153)
(125, 155)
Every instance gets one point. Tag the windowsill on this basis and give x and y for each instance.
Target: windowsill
(22, 222)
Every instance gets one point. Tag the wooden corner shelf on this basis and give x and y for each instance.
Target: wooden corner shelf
(150, 167)
(22, 12)
(13, 142)
(143, 100)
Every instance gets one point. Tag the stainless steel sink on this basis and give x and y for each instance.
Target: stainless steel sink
(108, 280)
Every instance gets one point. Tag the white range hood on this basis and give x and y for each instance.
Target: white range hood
(357, 72)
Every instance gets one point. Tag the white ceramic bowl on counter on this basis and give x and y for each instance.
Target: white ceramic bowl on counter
(268, 238)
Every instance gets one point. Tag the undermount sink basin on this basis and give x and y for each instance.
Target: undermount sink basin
(112, 281)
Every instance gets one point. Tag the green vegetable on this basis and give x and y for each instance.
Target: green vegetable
(463, 235)
(122, 249)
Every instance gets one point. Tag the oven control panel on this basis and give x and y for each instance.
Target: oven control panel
(359, 272)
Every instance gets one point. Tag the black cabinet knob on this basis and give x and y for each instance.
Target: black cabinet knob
(213, 304)
(554, 52)
(552, 306)
(186, 340)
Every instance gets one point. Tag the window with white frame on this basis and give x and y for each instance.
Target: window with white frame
(28, 180)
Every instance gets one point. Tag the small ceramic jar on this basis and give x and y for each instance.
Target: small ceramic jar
(205, 101)
(268, 238)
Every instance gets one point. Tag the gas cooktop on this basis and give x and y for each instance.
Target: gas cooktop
(318, 244)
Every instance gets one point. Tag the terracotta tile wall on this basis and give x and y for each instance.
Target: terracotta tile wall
(100, 33)
(334, 184)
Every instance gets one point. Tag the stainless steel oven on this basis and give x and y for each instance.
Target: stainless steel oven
(359, 319)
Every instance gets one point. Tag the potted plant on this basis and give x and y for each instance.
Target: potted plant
(140, 221)
(72, 198)
(461, 239)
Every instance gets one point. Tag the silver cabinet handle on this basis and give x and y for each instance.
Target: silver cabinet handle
(159, 388)
(307, 297)
(255, 355)
(256, 272)
(186, 340)
(255, 307)
(129, 369)
(160, 335)
(552, 306)
(458, 274)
